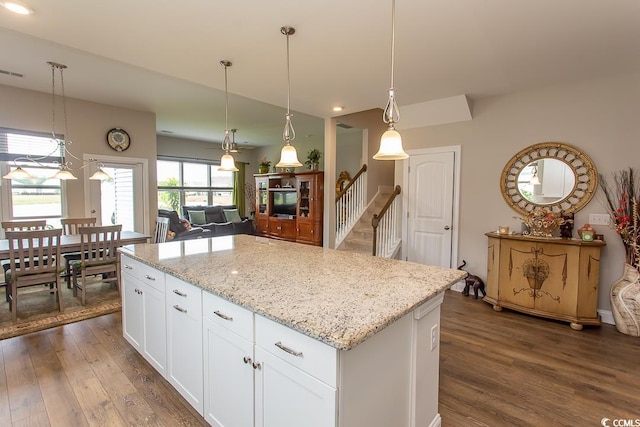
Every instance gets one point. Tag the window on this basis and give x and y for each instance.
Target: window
(192, 183)
(37, 198)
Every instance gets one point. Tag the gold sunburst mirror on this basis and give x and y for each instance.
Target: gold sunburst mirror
(553, 175)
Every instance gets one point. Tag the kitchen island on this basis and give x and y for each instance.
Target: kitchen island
(254, 331)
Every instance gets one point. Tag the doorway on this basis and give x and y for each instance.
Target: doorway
(123, 199)
(432, 183)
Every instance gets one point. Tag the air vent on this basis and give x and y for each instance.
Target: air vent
(12, 74)
(343, 126)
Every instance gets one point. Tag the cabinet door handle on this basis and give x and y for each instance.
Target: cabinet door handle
(177, 292)
(246, 359)
(146, 276)
(137, 291)
(223, 316)
(257, 365)
(288, 350)
(180, 309)
(128, 267)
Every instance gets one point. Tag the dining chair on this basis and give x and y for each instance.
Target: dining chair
(70, 226)
(25, 246)
(36, 224)
(162, 227)
(98, 258)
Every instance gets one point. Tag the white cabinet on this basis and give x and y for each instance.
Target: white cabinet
(288, 396)
(184, 340)
(228, 363)
(143, 313)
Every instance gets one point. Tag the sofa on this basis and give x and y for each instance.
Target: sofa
(206, 221)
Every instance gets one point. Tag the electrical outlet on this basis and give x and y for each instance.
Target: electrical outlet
(599, 219)
(434, 336)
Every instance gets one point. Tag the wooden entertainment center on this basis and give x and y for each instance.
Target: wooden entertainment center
(289, 206)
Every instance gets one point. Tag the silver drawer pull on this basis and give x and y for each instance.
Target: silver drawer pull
(257, 365)
(288, 350)
(128, 267)
(177, 292)
(180, 309)
(224, 316)
(149, 277)
(246, 359)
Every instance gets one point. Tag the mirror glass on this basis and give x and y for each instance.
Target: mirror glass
(550, 174)
(546, 181)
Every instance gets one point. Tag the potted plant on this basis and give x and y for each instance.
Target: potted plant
(264, 165)
(313, 159)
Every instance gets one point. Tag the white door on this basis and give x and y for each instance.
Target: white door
(430, 206)
(121, 199)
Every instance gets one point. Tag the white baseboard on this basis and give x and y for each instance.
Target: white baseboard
(606, 316)
(458, 287)
(437, 421)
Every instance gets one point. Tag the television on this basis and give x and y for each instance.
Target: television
(284, 203)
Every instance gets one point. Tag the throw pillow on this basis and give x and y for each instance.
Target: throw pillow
(232, 215)
(197, 217)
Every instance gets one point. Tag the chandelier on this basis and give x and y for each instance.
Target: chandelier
(62, 144)
(391, 142)
(288, 155)
(227, 164)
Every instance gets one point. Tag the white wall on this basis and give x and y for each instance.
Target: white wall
(88, 126)
(600, 117)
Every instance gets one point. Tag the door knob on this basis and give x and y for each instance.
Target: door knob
(446, 227)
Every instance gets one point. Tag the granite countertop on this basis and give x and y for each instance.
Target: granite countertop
(340, 298)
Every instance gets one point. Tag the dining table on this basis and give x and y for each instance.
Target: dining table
(71, 242)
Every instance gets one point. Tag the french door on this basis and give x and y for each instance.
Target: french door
(123, 199)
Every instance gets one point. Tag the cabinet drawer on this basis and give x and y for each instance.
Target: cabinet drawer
(308, 354)
(143, 272)
(184, 296)
(228, 315)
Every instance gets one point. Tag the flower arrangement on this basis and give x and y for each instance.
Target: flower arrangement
(542, 222)
(623, 198)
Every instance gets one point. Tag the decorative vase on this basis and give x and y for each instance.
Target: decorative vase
(625, 302)
(263, 169)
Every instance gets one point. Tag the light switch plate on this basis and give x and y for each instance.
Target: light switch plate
(599, 219)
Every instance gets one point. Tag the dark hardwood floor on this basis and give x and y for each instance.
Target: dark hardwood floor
(496, 369)
(512, 369)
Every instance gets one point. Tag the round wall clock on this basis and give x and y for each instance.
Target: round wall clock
(118, 139)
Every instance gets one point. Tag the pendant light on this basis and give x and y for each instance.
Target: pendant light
(391, 142)
(288, 155)
(234, 146)
(227, 164)
(64, 173)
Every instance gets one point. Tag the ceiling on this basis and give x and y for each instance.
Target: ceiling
(163, 56)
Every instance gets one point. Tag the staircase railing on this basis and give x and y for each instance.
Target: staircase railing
(386, 233)
(350, 204)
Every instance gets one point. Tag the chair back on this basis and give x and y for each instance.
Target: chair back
(43, 245)
(99, 245)
(162, 227)
(70, 225)
(36, 224)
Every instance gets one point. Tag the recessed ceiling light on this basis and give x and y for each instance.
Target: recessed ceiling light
(338, 108)
(17, 7)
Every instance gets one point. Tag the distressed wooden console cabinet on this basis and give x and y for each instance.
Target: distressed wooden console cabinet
(548, 277)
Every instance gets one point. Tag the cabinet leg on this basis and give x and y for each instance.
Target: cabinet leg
(497, 308)
(575, 326)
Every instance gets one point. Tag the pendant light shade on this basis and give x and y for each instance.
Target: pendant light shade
(227, 163)
(288, 155)
(18, 173)
(100, 175)
(391, 142)
(64, 175)
(390, 147)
